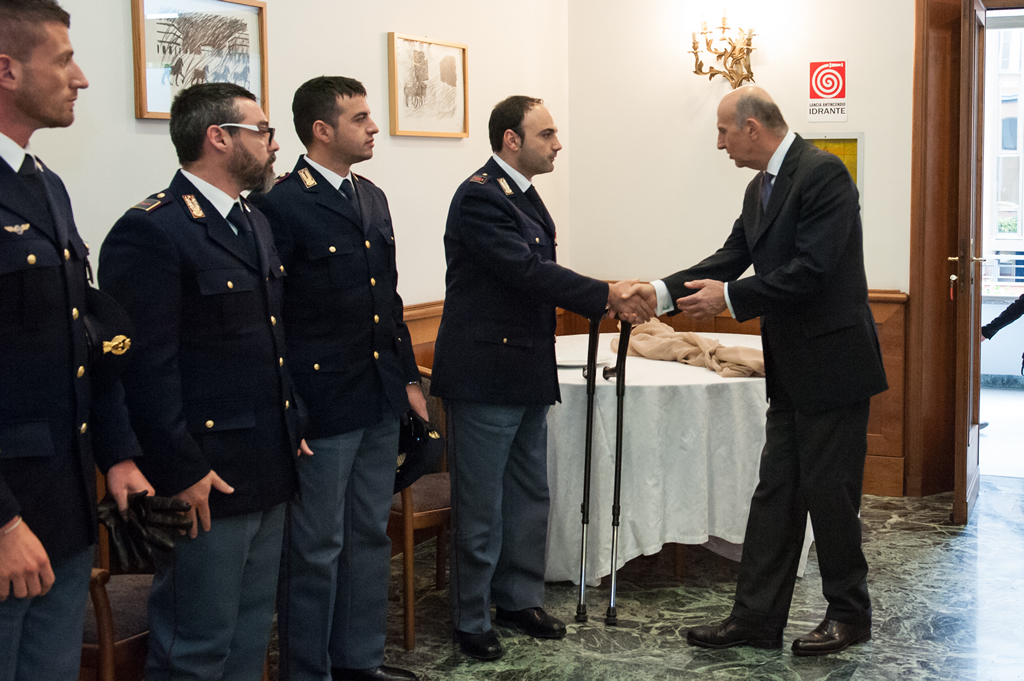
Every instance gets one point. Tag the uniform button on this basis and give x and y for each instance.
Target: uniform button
(537, 239)
(209, 424)
(230, 285)
(504, 340)
(31, 259)
(273, 320)
(287, 404)
(161, 195)
(376, 319)
(85, 427)
(280, 361)
(332, 249)
(376, 355)
(367, 244)
(281, 267)
(81, 371)
(316, 367)
(74, 313)
(67, 254)
(373, 282)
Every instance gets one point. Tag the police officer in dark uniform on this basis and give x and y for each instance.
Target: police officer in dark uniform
(353, 363)
(494, 365)
(53, 417)
(209, 392)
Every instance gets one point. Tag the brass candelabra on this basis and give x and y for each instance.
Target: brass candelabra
(733, 54)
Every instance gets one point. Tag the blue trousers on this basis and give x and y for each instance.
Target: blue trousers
(500, 502)
(41, 638)
(333, 592)
(212, 603)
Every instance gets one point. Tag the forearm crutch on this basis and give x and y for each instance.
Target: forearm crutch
(611, 618)
(591, 375)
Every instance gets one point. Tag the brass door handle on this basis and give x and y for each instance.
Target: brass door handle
(977, 259)
(953, 259)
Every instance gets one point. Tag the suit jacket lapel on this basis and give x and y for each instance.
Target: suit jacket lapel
(326, 195)
(217, 227)
(521, 201)
(15, 197)
(780, 190)
(56, 206)
(364, 205)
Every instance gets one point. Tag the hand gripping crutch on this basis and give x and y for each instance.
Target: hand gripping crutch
(591, 375)
(611, 618)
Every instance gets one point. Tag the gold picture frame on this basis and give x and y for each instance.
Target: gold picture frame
(178, 43)
(429, 92)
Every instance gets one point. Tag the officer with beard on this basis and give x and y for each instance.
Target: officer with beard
(209, 392)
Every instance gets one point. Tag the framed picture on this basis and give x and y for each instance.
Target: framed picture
(179, 43)
(429, 96)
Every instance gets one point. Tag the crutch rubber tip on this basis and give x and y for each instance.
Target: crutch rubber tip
(611, 618)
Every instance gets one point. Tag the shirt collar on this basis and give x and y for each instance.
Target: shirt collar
(11, 152)
(775, 164)
(218, 197)
(333, 178)
(516, 176)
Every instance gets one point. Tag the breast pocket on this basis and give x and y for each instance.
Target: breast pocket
(335, 263)
(228, 301)
(25, 440)
(30, 281)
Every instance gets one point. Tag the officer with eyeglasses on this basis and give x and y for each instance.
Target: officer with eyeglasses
(209, 391)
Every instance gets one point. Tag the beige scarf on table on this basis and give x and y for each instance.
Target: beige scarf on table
(656, 340)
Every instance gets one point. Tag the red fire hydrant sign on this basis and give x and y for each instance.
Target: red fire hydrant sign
(828, 92)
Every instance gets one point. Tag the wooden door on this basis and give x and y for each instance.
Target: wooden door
(966, 265)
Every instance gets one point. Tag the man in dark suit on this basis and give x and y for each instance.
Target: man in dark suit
(209, 392)
(494, 365)
(800, 229)
(353, 363)
(54, 418)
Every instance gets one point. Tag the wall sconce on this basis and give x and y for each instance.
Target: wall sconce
(734, 55)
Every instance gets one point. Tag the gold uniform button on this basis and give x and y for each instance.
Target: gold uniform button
(209, 424)
(373, 282)
(31, 259)
(287, 404)
(81, 371)
(537, 239)
(85, 427)
(281, 267)
(376, 355)
(74, 313)
(67, 254)
(367, 244)
(280, 361)
(316, 367)
(504, 340)
(161, 195)
(230, 285)
(273, 320)
(332, 249)
(376, 319)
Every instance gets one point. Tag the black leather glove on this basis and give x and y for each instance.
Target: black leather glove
(150, 523)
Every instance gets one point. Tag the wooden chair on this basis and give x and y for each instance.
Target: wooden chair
(418, 513)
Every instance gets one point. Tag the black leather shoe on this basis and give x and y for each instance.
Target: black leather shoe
(485, 646)
(379, 673)
(532, 622)
(733, 632)
(831, 637)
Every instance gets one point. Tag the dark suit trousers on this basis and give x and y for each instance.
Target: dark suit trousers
(811, 463)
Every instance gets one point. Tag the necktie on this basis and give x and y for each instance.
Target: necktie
(236, 216)
(347, 190)
(30, 174)
(766, 189)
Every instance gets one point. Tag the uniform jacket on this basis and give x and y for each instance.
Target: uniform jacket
(1008, 316)
(808, 287)
(351, 352)
(496, 342)
(209, 385)
(52, 419)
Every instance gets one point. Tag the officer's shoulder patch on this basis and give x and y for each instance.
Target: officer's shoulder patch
(154, 202)
(360, 177)
(480, 179)
(282, 178)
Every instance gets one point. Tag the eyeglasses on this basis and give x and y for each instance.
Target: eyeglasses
(254, 128)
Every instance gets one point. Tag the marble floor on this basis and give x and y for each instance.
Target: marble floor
(1000, 450)
(948, 604)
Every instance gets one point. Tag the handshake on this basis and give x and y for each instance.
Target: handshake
(632, 301)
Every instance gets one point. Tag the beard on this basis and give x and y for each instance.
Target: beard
(250, 174)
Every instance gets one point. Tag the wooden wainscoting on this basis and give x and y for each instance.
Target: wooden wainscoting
(883, 470)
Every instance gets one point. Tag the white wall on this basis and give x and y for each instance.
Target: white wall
(639, 189)
(650, 194)
(109, 160)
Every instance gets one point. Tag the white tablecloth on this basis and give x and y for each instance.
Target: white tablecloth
(691, 449)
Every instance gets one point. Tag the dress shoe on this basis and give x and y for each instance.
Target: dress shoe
(485, 646)
(532, 622)
(831, 637)
(379, 673)
(733, 632)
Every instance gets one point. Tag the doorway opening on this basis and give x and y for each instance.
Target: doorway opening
(1002, 382)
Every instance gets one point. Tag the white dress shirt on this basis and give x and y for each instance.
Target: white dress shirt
(333, 178)
(12, 152)
(516, 176)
